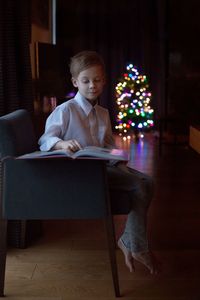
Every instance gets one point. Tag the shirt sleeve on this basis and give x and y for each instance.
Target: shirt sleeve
(54, 129)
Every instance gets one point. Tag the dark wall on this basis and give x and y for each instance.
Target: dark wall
(160, 37)
(184, 59)
(122, 32)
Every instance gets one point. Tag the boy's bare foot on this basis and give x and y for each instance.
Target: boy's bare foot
(127, 254)
(149, 260)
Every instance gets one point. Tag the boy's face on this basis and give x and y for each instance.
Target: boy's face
(90, 82)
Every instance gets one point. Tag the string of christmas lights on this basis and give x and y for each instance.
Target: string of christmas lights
(133, 100)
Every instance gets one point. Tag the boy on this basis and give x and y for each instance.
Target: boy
(81, 122)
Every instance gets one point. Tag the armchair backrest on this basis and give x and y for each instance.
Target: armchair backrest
(17, 135)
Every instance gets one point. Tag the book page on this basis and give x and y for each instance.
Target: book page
(40, 154)
(90, 151)
(103, 153)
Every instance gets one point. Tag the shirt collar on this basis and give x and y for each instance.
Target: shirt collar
(84, 104)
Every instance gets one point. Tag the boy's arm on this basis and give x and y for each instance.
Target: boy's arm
(54, 128)
(56, 125)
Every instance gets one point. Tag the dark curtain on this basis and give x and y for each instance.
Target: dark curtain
(15, 67)
(15, 77)
(128, 31)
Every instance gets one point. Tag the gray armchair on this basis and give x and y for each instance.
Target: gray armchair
(51, 188)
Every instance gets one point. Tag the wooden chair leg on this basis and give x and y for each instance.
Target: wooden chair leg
(112, 253)
(3, 248)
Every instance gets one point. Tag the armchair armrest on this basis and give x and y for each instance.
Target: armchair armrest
(53, 188)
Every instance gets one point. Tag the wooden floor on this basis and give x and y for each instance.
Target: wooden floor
(71, 260)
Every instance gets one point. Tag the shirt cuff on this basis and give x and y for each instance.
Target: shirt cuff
(46, 146)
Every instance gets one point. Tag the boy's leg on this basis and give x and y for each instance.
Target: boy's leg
(140, 187)
(136, 226)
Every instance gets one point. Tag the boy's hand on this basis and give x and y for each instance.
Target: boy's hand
(70, 145)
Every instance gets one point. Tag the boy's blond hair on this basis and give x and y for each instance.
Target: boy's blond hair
(84, 60)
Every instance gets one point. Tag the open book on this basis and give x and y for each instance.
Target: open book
(87, 152)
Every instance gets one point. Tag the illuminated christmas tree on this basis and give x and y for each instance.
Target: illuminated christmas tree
(133, 99)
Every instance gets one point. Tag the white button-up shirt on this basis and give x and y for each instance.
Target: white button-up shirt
(74, 120)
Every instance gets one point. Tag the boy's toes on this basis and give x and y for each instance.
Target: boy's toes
(149, 261)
